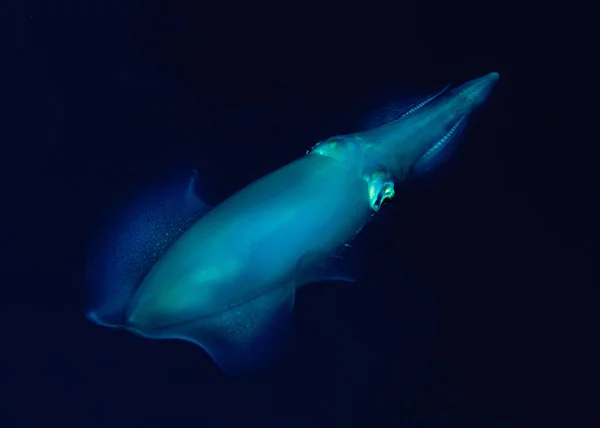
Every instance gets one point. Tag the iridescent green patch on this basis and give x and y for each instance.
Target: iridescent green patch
(381, 188)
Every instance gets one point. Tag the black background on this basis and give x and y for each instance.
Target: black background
(464, 314)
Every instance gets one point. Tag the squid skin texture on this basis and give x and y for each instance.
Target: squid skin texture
(227, 282)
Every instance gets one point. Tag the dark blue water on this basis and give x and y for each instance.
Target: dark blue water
(447, 326)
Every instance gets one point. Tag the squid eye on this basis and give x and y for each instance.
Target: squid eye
(381, 190)
(384, 197)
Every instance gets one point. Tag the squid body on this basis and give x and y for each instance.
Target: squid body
(170, 267)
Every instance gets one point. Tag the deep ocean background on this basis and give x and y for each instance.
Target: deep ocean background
(463, 313)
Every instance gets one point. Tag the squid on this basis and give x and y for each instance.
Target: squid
(169, 266)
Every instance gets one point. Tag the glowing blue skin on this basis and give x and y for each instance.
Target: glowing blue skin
(228, 282)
